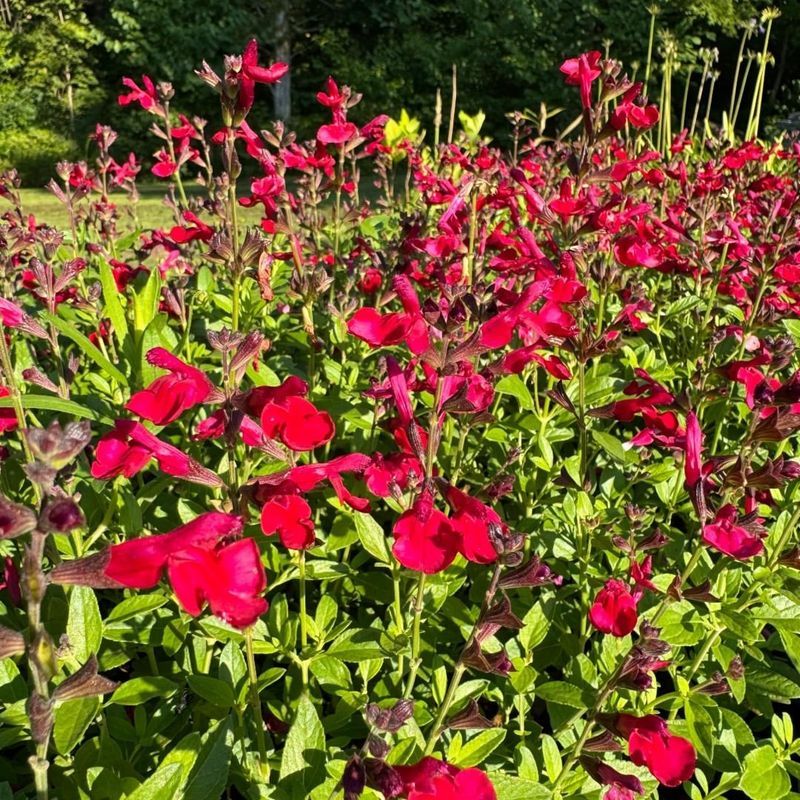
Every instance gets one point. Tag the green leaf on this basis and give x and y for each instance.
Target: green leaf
(536, 623)
(139, 690)
(357, 645)
(303, 760)
(480, 747)
(72, 719)
(209, 777)
(508, 787)
(113, 308)
(563, 693)
(161, 785)
(551, 757)
(763, 777)
(212, 689)
(84, 624)
(71, 332)
(514, 385)
(134, 606)
(145, 302)
(157, 334)
(44, 402)
(372, 537)
(610, 444)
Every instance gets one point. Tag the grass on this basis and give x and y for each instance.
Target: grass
(151, 210)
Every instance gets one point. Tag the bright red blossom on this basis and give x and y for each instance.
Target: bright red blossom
(671, 759)
(167, 397)
(614, 609)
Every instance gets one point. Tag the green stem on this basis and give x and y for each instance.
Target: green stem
(255, 704)
(301, 566)
(415, 635)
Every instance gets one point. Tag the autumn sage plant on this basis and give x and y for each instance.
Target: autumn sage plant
(395, 468)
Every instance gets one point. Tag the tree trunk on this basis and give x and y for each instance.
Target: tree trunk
(282, 92)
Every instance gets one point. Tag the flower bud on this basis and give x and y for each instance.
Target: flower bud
(12, 643)
(469, 719)
(56, 446)
(61, 516)
(390, 719)
(354, 778)
(84, 683)
(15, 519)
(534, 573)
(40, 714)
(382, 777)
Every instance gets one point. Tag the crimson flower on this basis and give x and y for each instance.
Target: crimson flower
(167, 397)
(289, 515)
(229, 579)
(383, 330)
(737, 541)
(424, 538)
(671, 759)
(8, 417)
(146, 97)
(201, 567)
(128, 448)
(196, 229)
(471, 519)
(164, 167)
(633, 110)
(304, 478)
(693, 465)
(431, 779)
(614, 609)
(11, 315)
(286, 415)
(251, 74)
(582, 72)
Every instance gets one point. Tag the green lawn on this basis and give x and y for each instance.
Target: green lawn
(151, 211)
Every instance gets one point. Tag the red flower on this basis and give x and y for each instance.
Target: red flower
(10, 581)
(633, 109)
(693, 465)
(290, 516)
(371, 281)
(424, 539)
(11, 315)
(146, 98)
(737, 541)
(498, 331)
(583, 71)
(124, 273)
(251, 73)
(201, 567)
(197, 229)
(302, 479)
(471, 519)
(337, 133)
(383, 330)
(140, 563)
(8, 417)
(230, 579)
(286, 415)
(215, 425)
(431, 779)
(671, 759)
(164, 167)
(167, 397)
(614, 609)
(129, 447)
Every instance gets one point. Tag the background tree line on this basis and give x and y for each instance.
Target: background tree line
(61, 61)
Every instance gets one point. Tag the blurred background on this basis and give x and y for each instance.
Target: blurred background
(61, 61)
